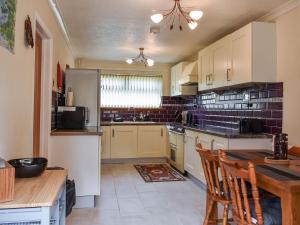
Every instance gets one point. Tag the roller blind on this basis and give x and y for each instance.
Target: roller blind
(123, 91)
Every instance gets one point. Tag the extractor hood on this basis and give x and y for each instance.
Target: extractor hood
(189, 74)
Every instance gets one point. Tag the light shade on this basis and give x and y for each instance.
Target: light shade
(193, 25)
(157, 18)
(129, 61)
(150, 62)
(196, 14)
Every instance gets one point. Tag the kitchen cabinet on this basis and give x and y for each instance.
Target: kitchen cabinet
(151, 141)
(214, 63)
(176, 74)
(245, 56)
(253, 56)
(205, 69)
(124, 142)
(38, 200)
(192, 160)
(105, 144)
(80, 156)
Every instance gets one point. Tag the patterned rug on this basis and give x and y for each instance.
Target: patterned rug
(158, 173)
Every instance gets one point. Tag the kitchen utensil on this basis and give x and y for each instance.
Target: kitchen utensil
(29, 167)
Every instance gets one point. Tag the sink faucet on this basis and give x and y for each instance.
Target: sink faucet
(134, 117)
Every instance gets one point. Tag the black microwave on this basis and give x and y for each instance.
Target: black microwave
(71, 117)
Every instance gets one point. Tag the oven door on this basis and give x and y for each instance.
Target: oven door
(173, 153)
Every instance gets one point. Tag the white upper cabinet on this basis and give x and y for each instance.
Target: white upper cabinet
(205, 69)
(245, 56)
(176, 78)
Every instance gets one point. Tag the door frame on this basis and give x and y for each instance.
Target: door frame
(46, 83)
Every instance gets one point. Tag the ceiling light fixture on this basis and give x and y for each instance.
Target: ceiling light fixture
(177, 11)
(141, 58)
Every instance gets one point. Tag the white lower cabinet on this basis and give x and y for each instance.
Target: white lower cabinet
(132, 141)
(124, 142)
(105, 144)
(151, 141)
(80, 156)
(192, 161)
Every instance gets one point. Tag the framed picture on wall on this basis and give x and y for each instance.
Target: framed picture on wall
(7, 24)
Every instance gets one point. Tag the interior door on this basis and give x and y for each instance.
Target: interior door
(37, 95)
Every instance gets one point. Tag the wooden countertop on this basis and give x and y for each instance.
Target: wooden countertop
(38, 191)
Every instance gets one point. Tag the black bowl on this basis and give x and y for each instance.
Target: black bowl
(29, 167)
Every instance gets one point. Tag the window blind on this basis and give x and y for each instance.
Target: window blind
(124, 91)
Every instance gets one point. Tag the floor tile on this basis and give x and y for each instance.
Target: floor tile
(126, 199)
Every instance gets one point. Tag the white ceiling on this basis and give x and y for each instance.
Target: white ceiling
(115, 29)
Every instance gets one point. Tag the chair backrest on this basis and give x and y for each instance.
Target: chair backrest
(295, 151)
(236, 178)
(211, 168)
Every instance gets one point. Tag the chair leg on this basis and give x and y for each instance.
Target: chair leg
(210, 204)
(225, 215)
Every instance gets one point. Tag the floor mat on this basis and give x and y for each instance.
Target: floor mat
(158, 173)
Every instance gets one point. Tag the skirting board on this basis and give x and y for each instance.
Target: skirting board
(85, 202)
(196, 181)
(134, 160)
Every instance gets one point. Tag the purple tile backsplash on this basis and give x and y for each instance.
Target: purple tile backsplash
(218, 109)
(263, 101)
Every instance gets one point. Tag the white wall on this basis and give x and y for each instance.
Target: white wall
(17, 80)
(288, 55)
(122, 67)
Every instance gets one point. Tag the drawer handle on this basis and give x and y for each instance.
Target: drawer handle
(196, 140)
(113, 132)
(212, 144)
(227, 74)
(161, 132)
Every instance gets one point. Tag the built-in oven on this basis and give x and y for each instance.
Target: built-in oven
(176, 149)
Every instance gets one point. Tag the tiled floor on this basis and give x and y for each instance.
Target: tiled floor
(127, 200)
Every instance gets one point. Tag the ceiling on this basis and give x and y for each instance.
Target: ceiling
(115, 29)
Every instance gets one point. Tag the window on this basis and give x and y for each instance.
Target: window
(124, 91)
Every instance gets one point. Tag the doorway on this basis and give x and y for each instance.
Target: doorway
(37, 95)
(42, 88)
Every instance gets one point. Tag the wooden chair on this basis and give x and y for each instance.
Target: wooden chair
(217, 191)
(245, 210)
(295, 151)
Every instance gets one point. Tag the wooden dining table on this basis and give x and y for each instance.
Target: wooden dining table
(280, 180)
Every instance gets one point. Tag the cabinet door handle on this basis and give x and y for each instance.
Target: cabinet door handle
(212, 144)
(227, 74)
(113, 132)
(209, 79)
(161, 132)
(196, 140)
